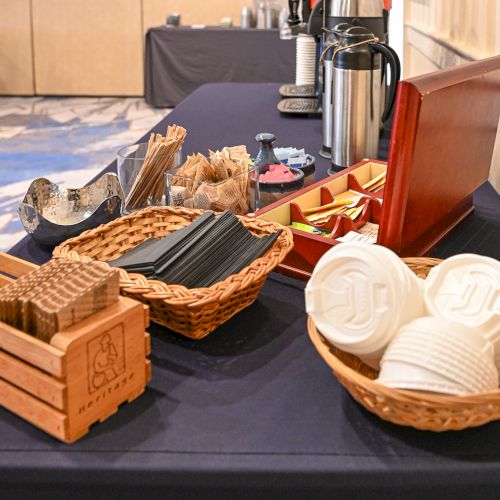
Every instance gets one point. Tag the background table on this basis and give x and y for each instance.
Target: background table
(179, 60)
(252, 411)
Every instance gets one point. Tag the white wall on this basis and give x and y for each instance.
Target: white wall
(443, 33)
(397, 28)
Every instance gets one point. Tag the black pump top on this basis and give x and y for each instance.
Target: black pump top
(357, 34)
(359, 57)
(334, 35)
(338, 28)
(342, 27)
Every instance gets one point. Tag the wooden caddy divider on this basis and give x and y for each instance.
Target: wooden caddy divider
(83, 374)
(339, 225)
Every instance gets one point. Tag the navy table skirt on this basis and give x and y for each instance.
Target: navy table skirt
(252, 411)
(179, 60)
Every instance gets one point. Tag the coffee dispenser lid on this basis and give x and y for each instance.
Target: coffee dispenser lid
(358, 57)
(333, 36)
(337, 30)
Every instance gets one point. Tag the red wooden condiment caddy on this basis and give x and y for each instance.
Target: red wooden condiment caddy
(442, 142)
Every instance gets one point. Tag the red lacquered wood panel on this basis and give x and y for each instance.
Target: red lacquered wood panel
(442, 143)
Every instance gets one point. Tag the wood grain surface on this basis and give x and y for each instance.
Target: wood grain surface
(88, 47)
(442, 142)
(16, 58)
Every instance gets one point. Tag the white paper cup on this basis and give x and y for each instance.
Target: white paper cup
(304, 80)
(413, 285)
(305, 73)
(446, 329)
(305, 60)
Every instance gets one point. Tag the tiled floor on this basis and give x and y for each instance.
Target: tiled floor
(67, 140)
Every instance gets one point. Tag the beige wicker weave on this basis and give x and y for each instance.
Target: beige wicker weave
(424, 411)
(192, 312)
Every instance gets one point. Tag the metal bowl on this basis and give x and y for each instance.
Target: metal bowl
(52, 214)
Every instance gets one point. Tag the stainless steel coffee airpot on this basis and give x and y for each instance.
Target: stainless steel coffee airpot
(357, 68)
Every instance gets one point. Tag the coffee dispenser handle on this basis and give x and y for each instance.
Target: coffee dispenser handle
(293, 18)
(390, 57)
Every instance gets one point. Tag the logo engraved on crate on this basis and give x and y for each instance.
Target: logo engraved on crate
(105, 358)
(103, 394)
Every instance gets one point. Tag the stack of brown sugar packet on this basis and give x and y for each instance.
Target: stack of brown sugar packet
(219, 184)
(58, 295)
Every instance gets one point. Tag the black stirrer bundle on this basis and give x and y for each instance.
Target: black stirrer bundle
(207, 251)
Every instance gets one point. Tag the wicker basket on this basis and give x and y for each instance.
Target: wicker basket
(424, 411)
(192, 312)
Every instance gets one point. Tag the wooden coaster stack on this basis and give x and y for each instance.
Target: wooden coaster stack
(17, 294)
(159, 159)
(219, 184)
(58, 295)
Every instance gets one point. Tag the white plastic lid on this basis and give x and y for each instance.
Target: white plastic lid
(466, 288)
(354, 298)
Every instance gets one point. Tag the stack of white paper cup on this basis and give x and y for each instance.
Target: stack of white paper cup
(466, 289)
(439, 355)
(305, 63)
(359, 295)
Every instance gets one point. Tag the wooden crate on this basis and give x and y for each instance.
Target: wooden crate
(83, 374)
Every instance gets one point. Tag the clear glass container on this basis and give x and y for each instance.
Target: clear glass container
(130, 160)
(238, 194)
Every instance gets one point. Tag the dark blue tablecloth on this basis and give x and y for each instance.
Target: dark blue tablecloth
(252, 411)
(179, 60)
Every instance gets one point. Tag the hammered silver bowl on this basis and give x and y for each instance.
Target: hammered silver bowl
(51, 214)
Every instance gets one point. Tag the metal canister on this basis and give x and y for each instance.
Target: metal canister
(247, 18)
(357, 73)
(331, 40)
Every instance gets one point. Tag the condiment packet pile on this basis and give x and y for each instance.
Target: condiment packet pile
(220, 183)
(293, 157)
